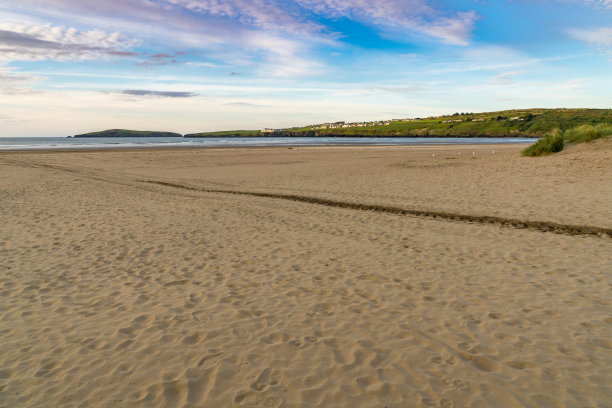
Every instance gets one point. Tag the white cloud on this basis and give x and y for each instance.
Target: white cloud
(270, 38)
(415, 16)
(481, 58)
(264, 14)
(600, 3)
(93, 38)
(40, 42)
(262, 34)
(597, 36)
(282, 57)
(453, 30)
(507, 78)
(13, 83)
(569, 85)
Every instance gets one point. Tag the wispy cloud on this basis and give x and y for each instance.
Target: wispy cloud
(600, 3)
(596, 4)
(597, 36)
(159, 59)
(273, 37)
(569, 85)
(401, 90)
(268, 35)
(13, 83)
(204, 64)
(245, 104)
(414, 16)
(268, 15)
(507, 78)
(164, 94)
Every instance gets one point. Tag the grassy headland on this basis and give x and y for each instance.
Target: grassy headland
(129, 133)
(509, 123)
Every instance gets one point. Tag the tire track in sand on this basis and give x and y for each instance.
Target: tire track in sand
(542, 226)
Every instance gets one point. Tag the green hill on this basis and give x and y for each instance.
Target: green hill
(509, 123)
(129, 133)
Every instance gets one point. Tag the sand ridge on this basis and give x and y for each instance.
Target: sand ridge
(116, 292)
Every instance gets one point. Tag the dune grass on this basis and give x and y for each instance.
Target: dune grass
(551, 143)
(554, 141)
(587, 133)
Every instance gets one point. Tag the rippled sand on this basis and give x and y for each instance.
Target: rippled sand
(236, 277)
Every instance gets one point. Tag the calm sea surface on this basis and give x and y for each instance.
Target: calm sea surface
(62, 143)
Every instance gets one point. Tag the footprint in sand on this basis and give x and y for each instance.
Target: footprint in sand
(268, 378)
(124, 367)
(175, 393)
(211, 359)
(240, 332)
(253, 399)
(194, 337)
(47, 369)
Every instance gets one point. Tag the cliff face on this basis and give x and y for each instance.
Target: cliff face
(129, 133)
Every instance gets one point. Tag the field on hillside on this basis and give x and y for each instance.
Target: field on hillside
(509, 123)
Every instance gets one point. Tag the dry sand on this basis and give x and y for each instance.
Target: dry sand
(138, 278)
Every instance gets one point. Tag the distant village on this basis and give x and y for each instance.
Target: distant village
(338, 125)
(342, 124)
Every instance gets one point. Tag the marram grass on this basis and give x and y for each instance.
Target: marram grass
(551, 143)
(554, 141)
(587, 133)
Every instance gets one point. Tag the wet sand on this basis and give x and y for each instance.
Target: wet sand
(319, 276)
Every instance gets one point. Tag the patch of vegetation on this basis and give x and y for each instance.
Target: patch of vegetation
(510, 123)
(551, 143)
(227, 133)
(555, 140)
(587, 133)
(129, 133)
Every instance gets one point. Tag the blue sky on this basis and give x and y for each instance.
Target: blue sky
(73, 66)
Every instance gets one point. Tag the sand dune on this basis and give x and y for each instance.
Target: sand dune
(126, 281)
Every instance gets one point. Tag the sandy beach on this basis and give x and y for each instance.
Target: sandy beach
(449, 276)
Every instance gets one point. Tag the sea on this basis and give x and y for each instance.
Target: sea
(65, 143)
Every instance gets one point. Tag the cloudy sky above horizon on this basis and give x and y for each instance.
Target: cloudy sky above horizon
(74, 66)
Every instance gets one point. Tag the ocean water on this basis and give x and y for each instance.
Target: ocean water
(63, 143)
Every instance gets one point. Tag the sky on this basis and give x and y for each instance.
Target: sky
(75, 66)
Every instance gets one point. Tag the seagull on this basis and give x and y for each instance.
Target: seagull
(473, 155)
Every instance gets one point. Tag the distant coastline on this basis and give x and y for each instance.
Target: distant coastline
(518, 123)
(128, 133)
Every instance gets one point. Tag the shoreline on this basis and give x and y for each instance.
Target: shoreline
(291, 147)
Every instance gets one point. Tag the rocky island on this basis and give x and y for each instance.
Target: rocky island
(128, 133)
